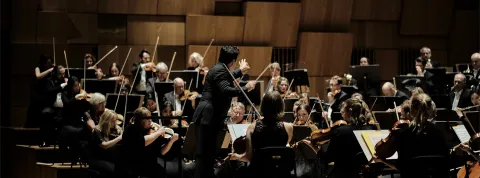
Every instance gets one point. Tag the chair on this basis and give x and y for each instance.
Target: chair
(427, 166)
(275, 162)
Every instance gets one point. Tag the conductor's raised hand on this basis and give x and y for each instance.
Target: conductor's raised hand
(250, 85)
(244, 66)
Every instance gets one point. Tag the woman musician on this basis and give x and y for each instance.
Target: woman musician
(303, 113)
(90, 61)
(283, 88)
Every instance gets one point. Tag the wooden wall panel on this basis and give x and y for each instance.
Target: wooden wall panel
(200, 29)
(90, 6)
(271, 24)
(112, 29)
(53, 5)
(376, 10)
(229, 30)
(257, 57)
(55, 24)
(318, 85)
(209, 60)
(142, 7)
(229, 8)
(463, 37)
(416, 21)
(143, 30)
(118, 56)
(389, 63)
(113, 6)
(326, 15)
(165, 54)
(440, 56)
(87, 26)
(419, 42)
(259, 18)
(169, 7)
(203, 7)
(21, 91)
(375, 34)
(325, 54)
(24, 21)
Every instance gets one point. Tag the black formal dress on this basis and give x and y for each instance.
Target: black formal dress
(210, 114)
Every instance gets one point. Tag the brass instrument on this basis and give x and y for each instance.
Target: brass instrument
(467, 108)
(467, 70)
(348, 79)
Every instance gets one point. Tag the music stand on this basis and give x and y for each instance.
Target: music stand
(300, 132)
(438, 79)
(289, 102)
(446, 114)
(162, 88)
(134, 101)
(78, 72)
(300, 76)
(385, 119)
(368, 147)
(288, 117)
(335, 116)
(406, 83)
(349, 89)
(186, 75)
(100, 86)
(366, 76)
(473, 116)
(441, 100)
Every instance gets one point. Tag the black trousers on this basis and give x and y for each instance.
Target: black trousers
(49, 124)
(207, 146)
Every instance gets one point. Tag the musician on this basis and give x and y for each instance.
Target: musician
(343, 147)
(267, 132)
(175, 98)
(426, 54)
(358, 96)
(420, 68)
(460, 94)
(420, 138)
(282, 88)
(141, 74)
(195, 62)
(295, 106)
(364, 61)
(416, 90)
(405, 110)
(90, 62)
(302, 117)
(236, 112)
(141, 146)
(274, 76)
(113, 72)
(161, 76)
(97, 102)
(475, 99)
(213, 107)
(45, 66)
(388, 89)
(103, 145)
(475, 59)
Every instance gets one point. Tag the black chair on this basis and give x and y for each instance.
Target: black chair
(277, 162)
(427, 166)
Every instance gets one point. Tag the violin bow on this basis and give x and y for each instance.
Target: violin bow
(121, 71)
(204, 56)
(156, 100)
(170, 67)
(243, 92)
(155, 51)
(321, 107)
(310, 114)
(105, 55)
(124, 110)
(54, 60)
(396, 113)
(289, 86)
(189, 86)
(123, 83)
(66, 62)
(261, 74)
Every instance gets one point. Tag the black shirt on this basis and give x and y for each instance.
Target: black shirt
(134, 152)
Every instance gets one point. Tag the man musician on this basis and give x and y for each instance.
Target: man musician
(213, 107)
(178, 99)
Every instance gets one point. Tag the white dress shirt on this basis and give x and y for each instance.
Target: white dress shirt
(456, 99)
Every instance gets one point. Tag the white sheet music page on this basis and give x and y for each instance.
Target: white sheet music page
(375, 138)
(462, 133)
(237, 130)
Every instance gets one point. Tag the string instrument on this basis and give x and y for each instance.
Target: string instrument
(152, 66)
(385, 147)
(83, 95)
(289, 94)
(188, 95)
(321, 136)
(168, 131)
(474, 143)
(239, 146)
(204, 70)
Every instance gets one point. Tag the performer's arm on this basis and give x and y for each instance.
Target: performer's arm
(237, 73)
(223, 83)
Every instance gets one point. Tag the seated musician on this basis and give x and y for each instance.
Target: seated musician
(475, 99)
(419, 138)
(113, 72)
(161, 76)
(267, 132)
(388, 89)
(103, 145)
(97, 101)
(302, 117)
(335, 96)
(358, 96)
(195, 62)
(405, 110)
(45, 66)
(460, 94)
(236, 112)
(90, 62)
(417, 90)
(141, 145)
(343, 147)
(476, 66)
(426, 54)
(140, 72)
(364, 61)
(177, 98)
(420, 69)
(284, 90)
(274, 76)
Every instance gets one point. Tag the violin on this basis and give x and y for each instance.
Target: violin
(151, 67)
(318, 137)
(187, 94)
(239, 146)
(168, 131)
(83, 96)
(289, 94)
(384, 148)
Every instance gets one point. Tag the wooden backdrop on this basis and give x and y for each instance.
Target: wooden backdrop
(324, 33)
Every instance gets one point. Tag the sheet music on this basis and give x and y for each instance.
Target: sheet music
(237, 130)
(374, 139)
(462, 133)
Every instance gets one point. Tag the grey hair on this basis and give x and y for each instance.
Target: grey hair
(162, 66)
(96, 99)
(197, 57)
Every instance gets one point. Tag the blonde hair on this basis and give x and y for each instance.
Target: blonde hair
(422, 109)
(275, 65)
(197, 57)
(105, 125)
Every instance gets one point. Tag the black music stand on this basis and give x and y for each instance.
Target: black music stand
(385, 119)
(289, 102)
(186, 75)
(406, 83)
(439, 78)
(366, 76)
(162, 88)
(288, 117)
(100, 86)
(474, 117)
(300, 76)
(78, 72)
(134, 101)
(350, 89)
(446, 114)
(441, 100)
(300, 132)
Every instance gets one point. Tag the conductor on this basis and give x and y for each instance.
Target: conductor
(213, 107)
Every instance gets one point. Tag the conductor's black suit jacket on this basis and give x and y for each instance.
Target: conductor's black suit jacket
(218, 91)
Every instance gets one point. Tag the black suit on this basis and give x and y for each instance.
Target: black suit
(148, 75)
(339, 99)
(210, 114)
(402, 96)
(188, 106)
(464, 100)
(428, 76)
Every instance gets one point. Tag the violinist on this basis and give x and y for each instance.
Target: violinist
(104, 144)
(113, 72)
(358, 96)
(45, 66)
(303, 112)
(140, 73)
(236, 112)
(420, 138)
(343, 146)
(475, 98)
(388, 89)
(274, 76)
(284, 90)
(90, 62)
(141, 146)
(161, 76)
(195, 62)
(335, 96)
(178, 99)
